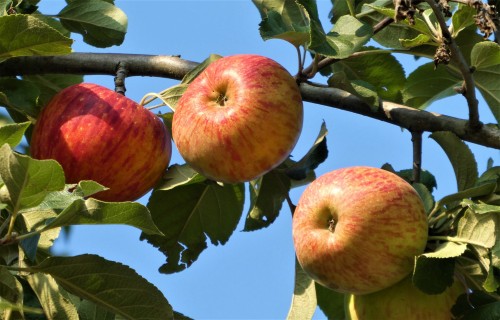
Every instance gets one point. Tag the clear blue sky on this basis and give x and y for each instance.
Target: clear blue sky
(251, 277)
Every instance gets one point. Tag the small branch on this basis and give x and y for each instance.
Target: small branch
(121, 74)
(416, 139)
(469, 84)
(175, 68)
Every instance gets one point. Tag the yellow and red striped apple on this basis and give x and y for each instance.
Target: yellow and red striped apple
(240, 118)
(98, 134)
(358, 229)
(404, 301)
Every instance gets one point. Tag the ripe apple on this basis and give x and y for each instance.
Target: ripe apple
(358, 229)
(403, 301)
(238, 119)
(98, 134)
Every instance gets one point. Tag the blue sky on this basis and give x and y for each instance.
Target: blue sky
(251, 277)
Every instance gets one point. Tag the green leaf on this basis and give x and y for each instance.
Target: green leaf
(427, 84)
(360, 88)
(447, 250)
(86, 188)
(50, 84)
(92, 211)
(462, 18)
(267, 194)
(303, 303)
(433, 275)
(330, 302)
(10, 288)
(169, 97)
(316, 155)
(109, 284)
(347, 36)
(485, 57)
(100, 23)
(191, 75)
(188, 214)
(12, 134)
(473, 300)
(425, 195)
(28, 180)
(3, 7)
(419, 40)
(19, 95)
(480, 208)
(461, 158)
(381, 69)
(178, 175)
(489, 311)
(55, 301)
(284, 19)
(25, 35)
(90, 311)
(479, 229)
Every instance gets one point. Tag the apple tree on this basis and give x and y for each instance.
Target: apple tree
(350, 65)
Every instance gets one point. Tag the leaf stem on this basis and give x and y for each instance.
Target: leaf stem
(457, 239)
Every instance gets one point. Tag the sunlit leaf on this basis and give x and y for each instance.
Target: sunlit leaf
(303, 303)
(101, 24)
(12, 134)
(462, 18)
(109, 284)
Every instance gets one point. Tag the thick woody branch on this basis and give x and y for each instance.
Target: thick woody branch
(175, 68)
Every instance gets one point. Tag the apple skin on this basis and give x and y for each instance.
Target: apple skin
(403, 301)
(358, 229)
(240, 118)
(98, 134)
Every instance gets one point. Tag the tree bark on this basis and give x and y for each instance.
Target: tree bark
(174, 67)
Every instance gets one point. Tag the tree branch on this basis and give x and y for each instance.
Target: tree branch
(175, 68)
(469, 88)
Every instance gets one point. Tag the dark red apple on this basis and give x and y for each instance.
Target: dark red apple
(98, 134)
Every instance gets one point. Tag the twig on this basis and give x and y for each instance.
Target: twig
(176, 68)
(416, 139)
(121, 74)
(469, 84)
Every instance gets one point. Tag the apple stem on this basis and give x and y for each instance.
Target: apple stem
(331, 225)
(121, 74)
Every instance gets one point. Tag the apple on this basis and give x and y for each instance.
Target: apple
(403, 301)
(358, 229)
(98, 134)
(239, 118)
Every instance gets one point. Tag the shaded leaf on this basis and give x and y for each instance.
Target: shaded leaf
(478, 228)
(100, 23)
(188, 214)
(12, 134)
(489, 311)
(425, 195)
(20, 96)
(28, 180)
(50, 84)
(462, 18)
(433, 275)
(461, 158)
(330, 302)
(26, 35)
(303, 303)
(109, 284)
(90, 311)
(10, 288)
(267, 194)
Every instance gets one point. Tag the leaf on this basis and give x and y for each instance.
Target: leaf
(284, 19)
(426, 85)
(12, 134)
(178, 175)
(267, 194)
(462, 18)
(25, 35)
(100, 23)
(489, 311)
(170, 96)
(86, 188)
(433, 275)
(485, 57)
(20, 96)
(10, 288)
(50, 84)
(90, 311)
(304, 296)
(330, 302)
(461, 158)
(109, 284)
(347, 36)
(480, 208)
(360, 88)
(188, 214)
(474, 299)
(479, 229)
(92, 211)
(381, 69)
(191, 75)
(447, 249)
(316, 155)
(28, 180)
(425, 195)
(55, 301)
(419, 40)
